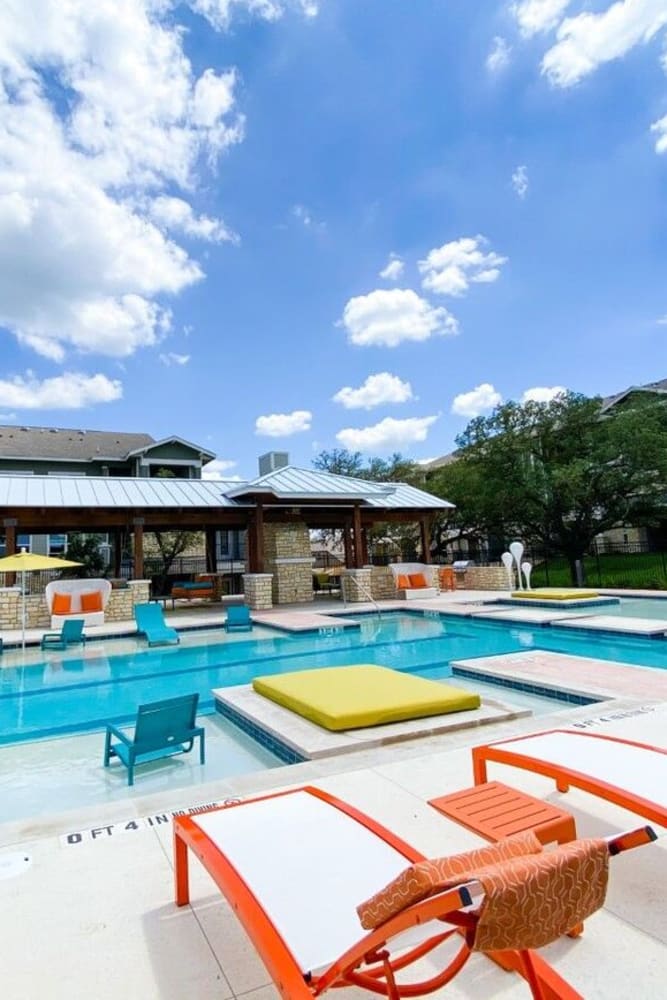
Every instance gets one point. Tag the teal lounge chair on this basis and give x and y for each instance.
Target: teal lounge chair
(238, 618)
(163, 728)
(70, 634)
(150, 622)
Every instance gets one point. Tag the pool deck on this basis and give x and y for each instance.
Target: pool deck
(86, 896)
(96, 890)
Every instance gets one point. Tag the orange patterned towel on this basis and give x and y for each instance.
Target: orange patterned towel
(531, 901)
(428, 877)
(531, 897)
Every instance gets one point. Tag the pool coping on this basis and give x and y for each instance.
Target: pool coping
(293, 738)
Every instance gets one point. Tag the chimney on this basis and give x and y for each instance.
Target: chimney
(271, 461)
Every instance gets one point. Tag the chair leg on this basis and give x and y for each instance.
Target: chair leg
(202, 755)
(130, 770)
(107, 749)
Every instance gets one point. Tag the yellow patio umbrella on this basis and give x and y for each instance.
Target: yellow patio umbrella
(28, 562)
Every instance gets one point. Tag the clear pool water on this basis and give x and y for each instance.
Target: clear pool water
(635, 607)
(69, 692)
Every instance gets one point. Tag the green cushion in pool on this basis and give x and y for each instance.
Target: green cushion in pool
(353, 697)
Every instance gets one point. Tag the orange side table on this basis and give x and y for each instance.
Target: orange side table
(446, 578)
(494, 811)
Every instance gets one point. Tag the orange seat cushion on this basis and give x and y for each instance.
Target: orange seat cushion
(417, 580)
(62, 604)
(91, 601)
(402, 582)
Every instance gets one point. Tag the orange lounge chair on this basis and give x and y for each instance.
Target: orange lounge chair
(630, 773)
(296, 866)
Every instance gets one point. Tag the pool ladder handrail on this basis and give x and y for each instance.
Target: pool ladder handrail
(366, 594)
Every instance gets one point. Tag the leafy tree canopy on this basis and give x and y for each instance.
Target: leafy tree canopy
(395, 469)
(557, 474)
(85, 549)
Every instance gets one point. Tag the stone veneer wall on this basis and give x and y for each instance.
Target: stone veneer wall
(288, 556)
(382, 583)
(482, 578)
(257, 590)
(356, 584)
(120, 606)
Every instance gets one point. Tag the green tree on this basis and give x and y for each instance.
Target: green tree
(85, 549)
(340, 462)
(557, 474)
(170, 545)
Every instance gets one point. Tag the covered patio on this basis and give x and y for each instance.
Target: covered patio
(276, 512)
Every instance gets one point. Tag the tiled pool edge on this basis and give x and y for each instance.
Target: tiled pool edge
(281, 750)
(570, 697)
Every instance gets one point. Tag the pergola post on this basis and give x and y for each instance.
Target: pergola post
(425, 531)
(347, 545)
(9, 524)
(211, 554)
(356, 528)
(256, 540)
(364, 547)
(117, 552)
(138, 524)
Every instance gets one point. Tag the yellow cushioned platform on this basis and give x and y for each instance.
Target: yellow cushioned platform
(362, 695)
(547, 594)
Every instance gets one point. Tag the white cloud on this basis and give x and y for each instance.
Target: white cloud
(542, 393)
(69, 391)
(82, 263)
(662, 321)
(449, 269)
(220, 12)
(283, 424)
(393, 269)
(388, 435)
(306, 218)
(171, 358)
(660, 128)
(520, 181)
(499, 56)
(589, 40)
(387, 317)
(176, 214)
(376, 390)
(534, 16)
(479, 400)
(216, 468)
(7, 416)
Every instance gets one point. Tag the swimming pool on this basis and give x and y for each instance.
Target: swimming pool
(634, 607)
(69, 692)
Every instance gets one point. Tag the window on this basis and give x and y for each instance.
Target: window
(57, 545)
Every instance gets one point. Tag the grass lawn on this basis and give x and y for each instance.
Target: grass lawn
(643, 571)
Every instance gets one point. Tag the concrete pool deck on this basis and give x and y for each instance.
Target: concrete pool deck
(95, 898)
(91, 912)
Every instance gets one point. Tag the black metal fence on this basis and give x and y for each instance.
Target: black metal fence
(622, 565)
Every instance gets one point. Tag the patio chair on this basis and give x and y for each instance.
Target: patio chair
(150, 622)
(70, 635)
(631, 773)
(163, 728)
(238, 618)
(267, 854)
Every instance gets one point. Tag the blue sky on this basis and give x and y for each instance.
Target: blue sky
(299, 225)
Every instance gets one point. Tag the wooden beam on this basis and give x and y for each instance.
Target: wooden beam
(425, 531)
(356, 528)
(10, 546)
(211, 550)
(138, 525)
(117, 552)
(347, 544)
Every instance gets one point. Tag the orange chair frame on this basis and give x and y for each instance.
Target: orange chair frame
(564, 776)
(368, 964)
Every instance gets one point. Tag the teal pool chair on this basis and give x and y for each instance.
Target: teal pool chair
(150, 622)
(163, 728)
(238, 618)
(70, 635)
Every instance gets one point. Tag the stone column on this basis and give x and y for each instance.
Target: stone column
(257, 590)
(356, 584)
(10, 607)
